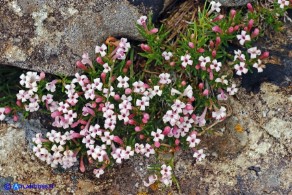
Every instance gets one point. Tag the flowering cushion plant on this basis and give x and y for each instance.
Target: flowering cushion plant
(117, 107)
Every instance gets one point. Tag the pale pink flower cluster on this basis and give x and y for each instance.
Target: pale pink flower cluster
(29, 97)
(57, 154)
(145, 150)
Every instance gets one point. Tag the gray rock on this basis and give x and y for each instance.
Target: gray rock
(51, 35)
(230, 3)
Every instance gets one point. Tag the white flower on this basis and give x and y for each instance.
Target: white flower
(243, 37)
(143, 102)
(215, 6)
(283, 3)
(174, 91)
(220, 114)
(101, 50)
(199, 155)
(216, 65)
(152, 179)
(204, 60)
(2, 116)
(188, 91)
(142, 20)
(186, 60)
(164, 78)
(222, 80)
(192, 139)
(239, 55)
(98, 172)
(240, 68)
(167, 55)
(123, 82)
(258, 65)
(232, 90)
(156, 91)
(254, 52)
(158, 135)
(106, 68)
(178, 106)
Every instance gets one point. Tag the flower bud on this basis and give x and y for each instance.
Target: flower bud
(255, 33)
(177, 142)
(183, 83)
(219, 17)
(99, 60)
(211, 44)
(232, 13)
(157, 144)
(198, 66)
(250, 24)
(128, 64)
(145, 47)
(189, 107)
(118, 140)
(249, 7)
(125, 70)
(205, 92)
(128, 91)
(81, 66)
(7, 110)
(236, 28)
(103, 77)
(146, 116)
(217, 29)
(137, 129)
(201, 85)
(18, 103)
(214, 53)
(98, 99)
(153, 31)
(201, 50)
(211, 75)
(15, 118)
(191, 45)
(42, 75)
(166, 130)
(230, 30)
(117, 97)
(141, 136)
(172, 64)
(82, 167)
(144, 121)
(218, 41)
(265, 55)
